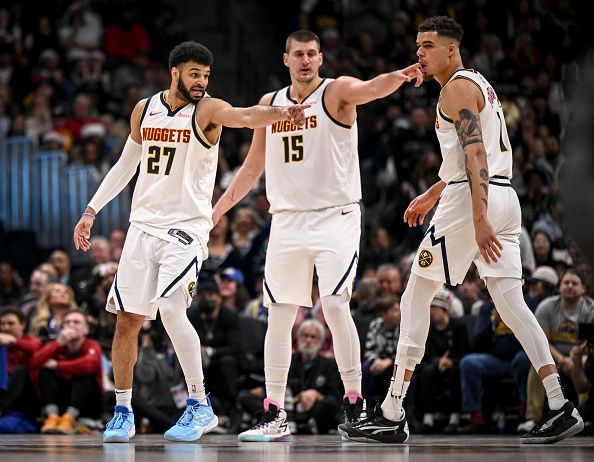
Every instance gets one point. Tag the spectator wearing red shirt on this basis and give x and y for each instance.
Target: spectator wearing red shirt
(126, 39)
(19, 347)
(69, 375)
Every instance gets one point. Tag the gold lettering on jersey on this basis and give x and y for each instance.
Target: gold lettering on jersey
(286, 126)
(168, 135)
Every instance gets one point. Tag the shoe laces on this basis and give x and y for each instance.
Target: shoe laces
(265, 418)
(193, 412)
(119, 418)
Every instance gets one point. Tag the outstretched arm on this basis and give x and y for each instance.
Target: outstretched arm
(115, 180)
(255, 116)
(248, 174)
(462, 100)
(352, 91)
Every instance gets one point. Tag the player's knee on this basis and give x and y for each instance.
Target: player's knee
(128, 323)
(502, 285)
(409, 355)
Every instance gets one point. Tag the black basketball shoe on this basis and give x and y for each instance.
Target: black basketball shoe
(555, 426)
(376, 428)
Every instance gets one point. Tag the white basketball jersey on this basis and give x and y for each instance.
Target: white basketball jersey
(173, 193)
(314, 166)
(494, 131)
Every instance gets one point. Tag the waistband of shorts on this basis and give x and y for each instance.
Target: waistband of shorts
(496, 180)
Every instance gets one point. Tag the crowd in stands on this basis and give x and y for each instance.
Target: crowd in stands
(69, 79)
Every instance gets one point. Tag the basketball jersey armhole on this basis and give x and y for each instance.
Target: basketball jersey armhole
(456, 77)
(198, 133)
(273, 98)
(340, 124)
(146, 105)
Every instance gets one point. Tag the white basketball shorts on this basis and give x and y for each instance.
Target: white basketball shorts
(327, 239)
(449, 246)
(151, 268)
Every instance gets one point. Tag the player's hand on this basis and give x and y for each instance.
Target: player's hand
(295, 113)
(487, 242)
(82, 233)
(418, 208)
(409, 73)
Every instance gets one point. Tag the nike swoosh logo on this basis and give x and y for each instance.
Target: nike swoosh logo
(345, 212)
(550, 422)
(154, 113)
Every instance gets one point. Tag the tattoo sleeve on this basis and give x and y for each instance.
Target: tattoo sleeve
(469, 132)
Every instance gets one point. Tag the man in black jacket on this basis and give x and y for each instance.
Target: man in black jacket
(439, 372)
(314, 382)
(218, 329)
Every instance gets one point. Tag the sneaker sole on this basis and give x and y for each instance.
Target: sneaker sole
(119, 438)
(573, 430)
(376, 439)
(213, 424)
(264, 438)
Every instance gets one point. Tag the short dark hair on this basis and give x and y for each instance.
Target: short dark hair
(443, 25)
(302, 36)
(574, 271)
(15, 311)
(190, 51)
(75, 311)
(385, 304)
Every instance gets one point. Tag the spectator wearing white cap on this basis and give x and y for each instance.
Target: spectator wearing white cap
(438, 382)
(542, 283)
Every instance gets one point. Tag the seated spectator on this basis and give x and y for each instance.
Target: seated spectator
(497, 354)
(388, 280)
(218, 329)
(18, 407)
(542, 283)
(53, 304)
(380, 349)
(11, 284)
(233, 293)
(69, 372)
(314, 382)
(438, 383)
(160, 381)
(315, 312)
(559, 317)
(221, 253)
(244, 229)
(37, 284)
(582, 378)
(61, 261)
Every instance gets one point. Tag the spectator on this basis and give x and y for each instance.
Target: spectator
(233, 293)
(11, 285)
(314, 382)
(53, 304)
(37, 284)
(542, 283)
(126, 39)
(61, 261)
(582, 378)
(380, 348)
(438, 385)
(221, 253)
(388, 280)
(559, 317)
(18, 405)
(116, 244)
(497, 354)
(244, 230)
(70, 379)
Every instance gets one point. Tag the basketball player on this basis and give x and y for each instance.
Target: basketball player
(477, 220)
(174, 137)
(314, 187)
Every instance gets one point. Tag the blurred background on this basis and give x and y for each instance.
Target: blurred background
(72, 71)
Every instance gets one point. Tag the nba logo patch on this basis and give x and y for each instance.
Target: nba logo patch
(425, 259)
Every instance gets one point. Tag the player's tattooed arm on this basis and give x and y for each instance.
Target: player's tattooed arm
(469, 132)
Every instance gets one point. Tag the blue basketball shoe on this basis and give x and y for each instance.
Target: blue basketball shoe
(121, 427)
(194, 422)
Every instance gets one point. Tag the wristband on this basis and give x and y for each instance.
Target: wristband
(88, 214)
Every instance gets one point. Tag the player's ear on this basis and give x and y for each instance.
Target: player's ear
(451, 49)
(174, 73)
(286, 59)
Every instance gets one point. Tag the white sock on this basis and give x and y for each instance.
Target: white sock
(277, 349)
(454, 418)
(429, 419)
(124, 398)
(555, 395)
(185, 341)
(392, 405)
(347, 349)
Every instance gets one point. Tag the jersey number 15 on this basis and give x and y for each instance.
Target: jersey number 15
(293, 148)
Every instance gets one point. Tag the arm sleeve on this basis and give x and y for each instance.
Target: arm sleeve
(119, 175)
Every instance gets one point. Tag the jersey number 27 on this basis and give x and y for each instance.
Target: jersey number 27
(153, 164)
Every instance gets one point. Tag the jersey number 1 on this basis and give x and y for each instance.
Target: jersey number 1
(294, 148)
(155, 152)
